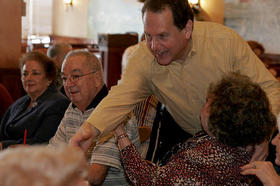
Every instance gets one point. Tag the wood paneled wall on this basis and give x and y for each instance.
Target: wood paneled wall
(10, 33)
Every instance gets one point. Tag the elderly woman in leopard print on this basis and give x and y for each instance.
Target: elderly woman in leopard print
(235, 118)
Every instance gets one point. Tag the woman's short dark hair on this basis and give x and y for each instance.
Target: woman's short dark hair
(240, 112)
(47, 63)
(180, 9)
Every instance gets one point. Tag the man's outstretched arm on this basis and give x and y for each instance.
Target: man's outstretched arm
(85, 136)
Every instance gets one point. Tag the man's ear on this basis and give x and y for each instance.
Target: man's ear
(189, 29)
(98, 79)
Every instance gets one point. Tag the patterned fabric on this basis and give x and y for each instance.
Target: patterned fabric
(201, 160)
(69, 125)
(108, 154)
(103, 153)
(145, 113)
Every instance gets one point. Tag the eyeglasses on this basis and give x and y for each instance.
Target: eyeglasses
(75, 77)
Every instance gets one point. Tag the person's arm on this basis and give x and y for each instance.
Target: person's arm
(133, 88)
(247, 63)
(140, 171)
(264, 171)
(121, 137)
(97, 173)
(85, 136)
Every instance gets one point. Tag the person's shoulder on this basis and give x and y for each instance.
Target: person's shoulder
(141, 53)
(56, 94)
(212, 30)
(21, 100)
(56, 99)
(128, 51)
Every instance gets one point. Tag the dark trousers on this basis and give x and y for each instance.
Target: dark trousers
(166, 133)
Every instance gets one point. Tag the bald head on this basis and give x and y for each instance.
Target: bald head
(82, 77)
(90, 60)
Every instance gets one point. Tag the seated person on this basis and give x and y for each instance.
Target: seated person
(264, 170)
(235, 118)
(41, 165)
(5, 99)
(40, 111)
(83, 82)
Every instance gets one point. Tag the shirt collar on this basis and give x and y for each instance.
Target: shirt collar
(50, 89)
(98, 98)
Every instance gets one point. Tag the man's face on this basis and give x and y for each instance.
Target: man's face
(82, 90)
(164, 39)
(276, 143)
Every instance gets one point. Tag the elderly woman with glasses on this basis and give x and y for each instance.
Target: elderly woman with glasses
(235, 118)
(34, 118)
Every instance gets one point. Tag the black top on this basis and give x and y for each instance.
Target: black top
(98, 98)
(41, 120)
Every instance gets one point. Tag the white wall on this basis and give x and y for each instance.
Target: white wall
(70, 21)
(87, 18)
(257, 20)
(114, 16)
(38, 19)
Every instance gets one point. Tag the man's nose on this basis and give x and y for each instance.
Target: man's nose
(154, 44)
(68, 82)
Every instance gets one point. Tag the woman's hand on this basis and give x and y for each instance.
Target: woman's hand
(120, 130)
(264, 170)
(121, 137)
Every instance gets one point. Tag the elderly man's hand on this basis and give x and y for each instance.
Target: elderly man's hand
(84, 136)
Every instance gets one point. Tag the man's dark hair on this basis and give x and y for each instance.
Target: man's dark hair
(240, 112)
(180, 9)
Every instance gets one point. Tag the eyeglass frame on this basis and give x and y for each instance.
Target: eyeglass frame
(76, 78)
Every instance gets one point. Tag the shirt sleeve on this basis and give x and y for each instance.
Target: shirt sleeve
(108, 153)
(246, 62)
(133, 88)
(142, 172)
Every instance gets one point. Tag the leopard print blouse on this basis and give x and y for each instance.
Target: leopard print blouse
(201, 160)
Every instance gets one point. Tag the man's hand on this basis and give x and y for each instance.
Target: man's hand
(84, 136)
